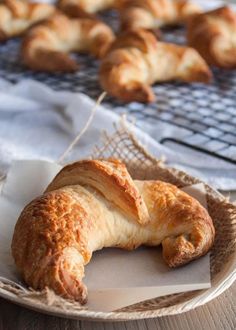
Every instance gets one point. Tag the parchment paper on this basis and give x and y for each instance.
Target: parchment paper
(115, 278)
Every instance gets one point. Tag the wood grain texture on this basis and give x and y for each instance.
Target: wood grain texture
(218, 314)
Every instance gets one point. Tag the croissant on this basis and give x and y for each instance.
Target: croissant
(17, 16)
(213, 34)
(152, 14)
(136, 60)
(46, 47)
(78, 8)
(93, 204)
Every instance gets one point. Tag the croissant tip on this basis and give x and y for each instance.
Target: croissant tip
(205, 77)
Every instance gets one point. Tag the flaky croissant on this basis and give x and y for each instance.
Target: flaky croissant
(93, 204)
(46, 47)
(213, 34)
(78, 8)
(136, 60)
(152, 14)
(17, 16)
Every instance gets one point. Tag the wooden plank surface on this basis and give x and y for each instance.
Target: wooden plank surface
(218, 314)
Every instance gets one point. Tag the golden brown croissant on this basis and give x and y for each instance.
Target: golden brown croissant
(46, 47)
(85, 8)
(93, 204)
(17, 16)
(213, 34)
(136, 60)
(152, 14)
(78, 8)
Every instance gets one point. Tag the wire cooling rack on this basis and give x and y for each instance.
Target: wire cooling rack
(205, 115)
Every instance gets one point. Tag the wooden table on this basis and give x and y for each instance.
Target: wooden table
(218, 314)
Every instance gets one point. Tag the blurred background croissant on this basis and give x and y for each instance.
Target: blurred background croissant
(133, 56)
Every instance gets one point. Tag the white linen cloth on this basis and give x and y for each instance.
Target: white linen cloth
(37, 122)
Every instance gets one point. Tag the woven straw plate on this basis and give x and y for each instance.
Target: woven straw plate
(142, 165)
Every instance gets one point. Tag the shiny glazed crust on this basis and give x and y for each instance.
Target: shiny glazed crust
(213, 34)
(17, 16)
(152, 14)
(136, 60)
(112, 179)
(83, 210)
(46, 46)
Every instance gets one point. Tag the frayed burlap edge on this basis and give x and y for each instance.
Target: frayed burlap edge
(142, 165)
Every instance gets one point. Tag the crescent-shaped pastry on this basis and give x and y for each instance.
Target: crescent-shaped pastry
(17, 16)
(47, 46)
(136, 60)
(84, 8)
(94, 204)
(213, 34)
(152, 14)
